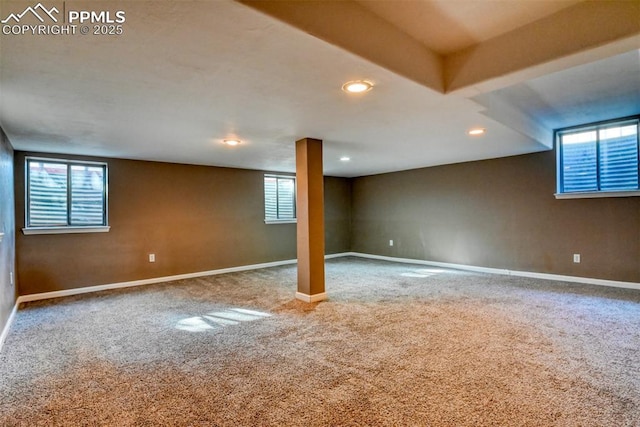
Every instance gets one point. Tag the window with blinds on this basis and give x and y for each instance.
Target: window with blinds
(279, 198)
(65, 193)
(599, 158)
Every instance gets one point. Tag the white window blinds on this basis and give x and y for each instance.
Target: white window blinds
(66, 194)
(279, 198)
(599, 158)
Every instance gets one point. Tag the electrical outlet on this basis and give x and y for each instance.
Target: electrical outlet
(390, 242)
(152, 257)
(576, 258)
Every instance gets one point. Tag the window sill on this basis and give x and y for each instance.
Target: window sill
(597, 194)
(65, 230)
(280, 221)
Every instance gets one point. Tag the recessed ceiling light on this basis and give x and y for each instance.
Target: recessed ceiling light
(357, 86)
(231, 142)
(345, 159)
(477, 131)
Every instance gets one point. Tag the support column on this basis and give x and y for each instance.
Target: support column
(310, 220)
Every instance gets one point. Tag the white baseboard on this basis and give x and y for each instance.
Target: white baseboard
(311, 298)
(432, 263)
(577, 279)
(545, 276)
(88, 289)
(7, 326)
(338, 255)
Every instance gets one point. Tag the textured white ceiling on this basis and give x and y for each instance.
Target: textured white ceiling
(185, 75)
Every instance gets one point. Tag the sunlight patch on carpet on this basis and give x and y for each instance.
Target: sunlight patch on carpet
(424, 272)
(220, 319)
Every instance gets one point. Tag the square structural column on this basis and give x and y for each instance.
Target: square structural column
(310, 220)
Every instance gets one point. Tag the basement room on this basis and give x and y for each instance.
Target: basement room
(320, 213)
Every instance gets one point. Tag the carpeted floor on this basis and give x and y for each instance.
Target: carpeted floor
(395, 345)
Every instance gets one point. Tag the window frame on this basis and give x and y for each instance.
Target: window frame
(65, 229)
(295, 211)
(595, 126)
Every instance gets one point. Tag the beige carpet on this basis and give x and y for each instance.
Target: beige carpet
(395, 345)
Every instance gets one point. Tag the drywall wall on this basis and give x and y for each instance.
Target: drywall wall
(8, 294)
(498, 213)
(193, 218)
(337, 215)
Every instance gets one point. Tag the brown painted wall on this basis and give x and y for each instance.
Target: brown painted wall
(8, 293)
(194, 218)
(497, 213)
(337, 215)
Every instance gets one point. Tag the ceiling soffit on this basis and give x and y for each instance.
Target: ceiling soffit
(598, 30)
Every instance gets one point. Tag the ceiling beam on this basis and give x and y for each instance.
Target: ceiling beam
(353, 28)
(583, 33)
